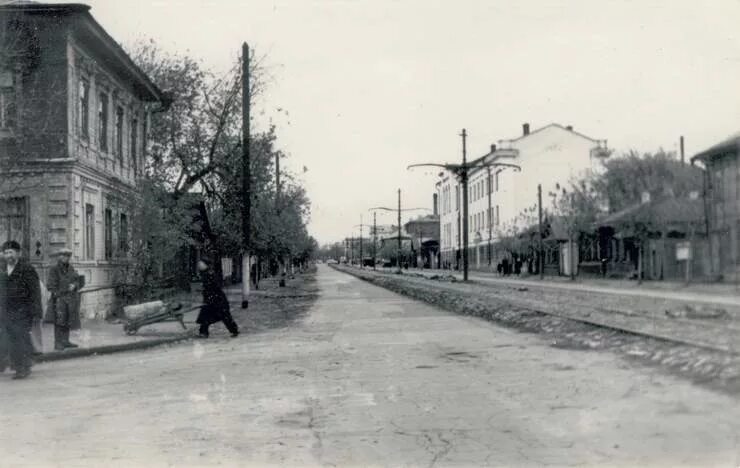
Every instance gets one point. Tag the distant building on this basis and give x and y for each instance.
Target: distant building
(74, 112)
(723, 200)
(424, 233)
(502, 202)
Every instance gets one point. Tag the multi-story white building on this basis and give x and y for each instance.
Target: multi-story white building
(501, 200)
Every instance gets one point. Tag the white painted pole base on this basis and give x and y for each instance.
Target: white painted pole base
(246, 271)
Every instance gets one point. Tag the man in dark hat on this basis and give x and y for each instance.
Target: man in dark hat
(64, 307)
(20, 304)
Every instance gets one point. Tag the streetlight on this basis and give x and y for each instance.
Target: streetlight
(384, 208)
(462, 171)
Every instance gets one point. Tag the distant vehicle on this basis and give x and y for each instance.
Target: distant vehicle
(331, 261)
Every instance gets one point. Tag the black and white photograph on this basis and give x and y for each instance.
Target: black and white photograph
(369, 233)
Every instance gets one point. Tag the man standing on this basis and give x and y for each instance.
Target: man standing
(20, 304)
(64, 307)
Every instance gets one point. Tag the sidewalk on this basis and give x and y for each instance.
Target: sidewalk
(104, 336)
(717, 293)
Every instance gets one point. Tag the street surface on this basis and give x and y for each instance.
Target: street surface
(367, 377)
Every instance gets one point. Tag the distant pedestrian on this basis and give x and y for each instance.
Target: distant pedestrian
(20, 304)
(215, 303)
(64, 306)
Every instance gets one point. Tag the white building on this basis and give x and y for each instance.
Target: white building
(501, 200)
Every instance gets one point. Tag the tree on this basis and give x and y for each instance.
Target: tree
(626, 178)
(621, 188)
(196, 147)
(196, 139)
(577, 205)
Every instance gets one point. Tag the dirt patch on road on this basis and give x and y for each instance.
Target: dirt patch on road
(272, 307)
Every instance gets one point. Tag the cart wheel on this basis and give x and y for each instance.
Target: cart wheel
(129, 329)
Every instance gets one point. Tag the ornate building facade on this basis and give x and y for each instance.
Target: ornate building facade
(75, 112)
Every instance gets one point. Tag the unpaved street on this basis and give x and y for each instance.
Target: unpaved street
(367, 377)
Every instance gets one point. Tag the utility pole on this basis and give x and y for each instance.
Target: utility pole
(541, 259)
(246, 179)
(490, 214)
(461, 171)
(398, 260)
(375, 245)
(283, 265)
(464, 176)
(361, 251)
(385, 208)
(682, 157)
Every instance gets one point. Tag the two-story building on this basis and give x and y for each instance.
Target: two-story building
(73, 129)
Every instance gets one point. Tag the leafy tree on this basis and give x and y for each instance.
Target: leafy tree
(577, 205)
(196, 147)
(626, 178)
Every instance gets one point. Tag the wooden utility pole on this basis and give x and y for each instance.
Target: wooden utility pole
(682, 157)
(246, 180)
(489, 186)
(398, 261)
(541, 259)
(375, 233)
(464, 177)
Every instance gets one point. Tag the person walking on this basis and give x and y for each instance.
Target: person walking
(215, 304)
(20, 304)
(64, 306)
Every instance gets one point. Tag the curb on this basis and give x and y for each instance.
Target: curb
(110, 349)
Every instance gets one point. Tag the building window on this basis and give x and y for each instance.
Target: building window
(7, 100)
(134, 142)
(123, 233)
(89, 232)
(103, 122)
(119, 134)
(108, 234)
(84, 111)
(14, 221)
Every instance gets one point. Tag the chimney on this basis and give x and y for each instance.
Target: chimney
(569, 127)
(434, 204)
(493, 149)
(525, 129)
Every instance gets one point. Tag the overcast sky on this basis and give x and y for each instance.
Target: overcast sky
(372, 86)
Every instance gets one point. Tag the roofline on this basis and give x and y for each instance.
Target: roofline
(121, 55)
(553, 124)
(717, 150)
(68, 7)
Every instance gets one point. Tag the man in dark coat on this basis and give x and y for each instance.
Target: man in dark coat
(20, 304)
(215, 304)
(63, 311)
